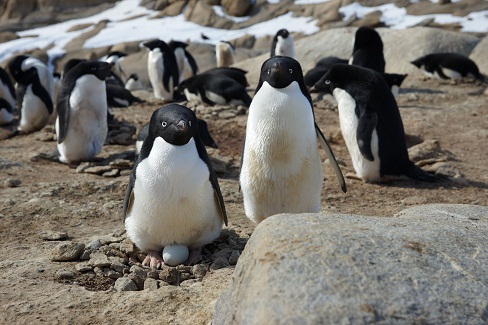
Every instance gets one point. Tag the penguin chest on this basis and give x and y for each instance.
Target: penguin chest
(364, 168)
(173, 199)
(34, 114)
(281, 170)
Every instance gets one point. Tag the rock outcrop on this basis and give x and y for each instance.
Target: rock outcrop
(425, 265)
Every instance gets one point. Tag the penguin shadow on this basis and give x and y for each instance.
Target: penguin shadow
(444, 182)
(420, 91)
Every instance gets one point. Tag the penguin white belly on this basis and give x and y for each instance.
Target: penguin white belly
(183, 65)
(368, 171)
(5, 117)
(34, 114)
(133, 84)
(285, 47)
(216, 98)
(174, 201)
(192, 96)
(453, 74)
(45, 76)
(155, 70)
(87, 127)
(281, 170)
(121, 101)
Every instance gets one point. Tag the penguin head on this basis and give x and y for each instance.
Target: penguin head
(177, 44)
(15, 66)
(99, 69)
(367, 38)
(134, 76)
(175, 123)
(115, 56)
(70, 64)
(281, 71)
(283, 33)
(157, 44)
(340, 75)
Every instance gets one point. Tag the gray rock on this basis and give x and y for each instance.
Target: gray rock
(199, 270)
(151, 284)
(168, 274)
(83, 267)
(99, 260)
(68, 251)
(12, 182)
(125, 284)
(219, 263)
(97, 170)
(234, 257)
(478, 55)
(426, 265)
(53, 235)
(65, 275)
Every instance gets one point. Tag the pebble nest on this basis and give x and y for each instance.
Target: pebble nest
(113, 262)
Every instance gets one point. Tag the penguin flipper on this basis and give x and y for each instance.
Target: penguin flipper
(129, 196)
(366, 125)
(330, 155)
(192, 62)
(63, 108)
(42, 93)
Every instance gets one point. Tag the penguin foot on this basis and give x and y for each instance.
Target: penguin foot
(153, 259)
(353, 176)
(195, 256)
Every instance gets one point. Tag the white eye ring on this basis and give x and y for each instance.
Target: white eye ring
(268, 71)
(327, 82)
(189, 123)
(290, 70)
(164, 124)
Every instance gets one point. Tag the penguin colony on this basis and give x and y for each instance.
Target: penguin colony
(173, 204)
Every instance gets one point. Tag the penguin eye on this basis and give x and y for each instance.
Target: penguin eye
(268, 71)
(290, 70)
(164, 124)
(327, 82)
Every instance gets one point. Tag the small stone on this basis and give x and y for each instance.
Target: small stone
(83, 166)
(9, 202)
(227, 115)
(97, 170)
(219, 263)
(184, 276)
(226, 252)
(67, 251)
(12, 182)
(119, 267)
(137, 280)
(125, 172)
(122, 164)
(190, 283)
(153, 274)
(234, 257)
(127, 248)
(53, 235)
(151, 284)
(199, 270)
(168, 274)
(98, 271)
(111, 273)
(86, 254)
(99, 260)
(125, 284)
(108, 239)
(94, 245)
(111, 173)
(65, 275)
(139, 272)
(83, 267)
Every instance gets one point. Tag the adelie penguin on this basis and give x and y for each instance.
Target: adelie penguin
(371, 124)
(162, 69)
(282, 44)
(81, 126)
(118, 96)
(173, 196)
(448, 66)
(7, 90)
(35, 90)
(187, 66)
(281, 169)
(224, 54)
(367, 51)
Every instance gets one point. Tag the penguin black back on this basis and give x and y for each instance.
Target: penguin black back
(368, 49)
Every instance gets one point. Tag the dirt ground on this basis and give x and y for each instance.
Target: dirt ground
(53, 197)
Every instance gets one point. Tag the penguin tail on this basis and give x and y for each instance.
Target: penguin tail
(421, 175)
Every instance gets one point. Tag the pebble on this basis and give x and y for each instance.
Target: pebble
(234, 257)
(53, 235)
(219, 263)
(97, 170)
(12, 182)
(65, 275)
(168, 274)
(125, 284)
(199, 270)
(151, 284)
(68, 251)
(120, 267)
(83, 267)
(137, 280)
(83, 166)
(139, 272)
(111, 173)
(99, 260)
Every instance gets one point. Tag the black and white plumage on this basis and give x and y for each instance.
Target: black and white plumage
(81, 126)
(214, 88)
(173, 196)
(394, 81)
(281, 169)
(162, 69)
(118, 96)
(35, 90)
(283, 44)
(224, 54)
(187, 66)
(320, 69)
(117, 75)
(367, 51)
(237, 74)
(371, 124)
(7, 90)
(203, 131)
(448, 66)
(133, 83)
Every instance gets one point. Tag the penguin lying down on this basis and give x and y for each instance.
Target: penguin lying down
(173, 200)
(448, 66)
(371, 124)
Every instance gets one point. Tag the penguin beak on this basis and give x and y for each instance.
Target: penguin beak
(181, 125)
(276, 68)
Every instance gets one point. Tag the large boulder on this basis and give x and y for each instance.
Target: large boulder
(425, 265)
(479, 55)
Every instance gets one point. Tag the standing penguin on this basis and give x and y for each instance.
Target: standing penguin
(283, 44)
(81, 126)
(162, 69)
(368, 50)
(117, 76)
(7, 90)
(281, 170)
(371, 124)
(448, 66)
(224, 54)
(173, 195)
(187, 66)
(35, 90)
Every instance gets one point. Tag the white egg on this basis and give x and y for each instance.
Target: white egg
(175, 254)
